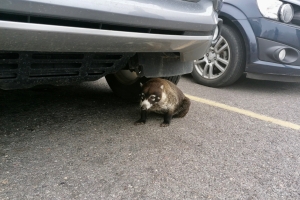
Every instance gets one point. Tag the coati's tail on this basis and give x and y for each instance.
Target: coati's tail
(183, 109)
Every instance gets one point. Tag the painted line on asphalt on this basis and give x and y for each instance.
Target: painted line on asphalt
(246, 112)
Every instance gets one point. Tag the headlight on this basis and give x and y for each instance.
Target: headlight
(277, 10)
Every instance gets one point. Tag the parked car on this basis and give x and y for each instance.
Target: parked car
(61, 42)
(260, 38)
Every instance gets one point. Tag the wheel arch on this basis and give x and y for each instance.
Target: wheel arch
(235, 18)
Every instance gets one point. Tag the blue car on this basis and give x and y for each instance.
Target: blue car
(259, 37)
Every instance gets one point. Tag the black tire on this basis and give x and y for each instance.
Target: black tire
(130, 91)
(173, 79)
(236, 65)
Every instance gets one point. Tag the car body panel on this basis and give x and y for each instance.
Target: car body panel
(241, 22)
(16, 36)
(293, 1)
(167, 14)
(248, 7)
(247, 18)
(199, 18)
(54, 41)
(269, 29)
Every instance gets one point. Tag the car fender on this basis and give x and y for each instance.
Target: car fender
(240, 21)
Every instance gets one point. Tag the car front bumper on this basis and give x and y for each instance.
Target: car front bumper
(46, 42)
(270, 36)
(17, 36)
(108, 26)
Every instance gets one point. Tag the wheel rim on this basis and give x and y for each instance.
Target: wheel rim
(215, 62)
(126, 77)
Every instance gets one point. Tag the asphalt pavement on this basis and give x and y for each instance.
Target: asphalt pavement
(80, 142)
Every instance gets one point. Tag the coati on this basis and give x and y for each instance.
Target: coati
(163, 97)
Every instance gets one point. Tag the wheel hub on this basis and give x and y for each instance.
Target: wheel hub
(211, 56)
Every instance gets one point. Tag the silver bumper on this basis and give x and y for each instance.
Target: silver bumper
(16, 36)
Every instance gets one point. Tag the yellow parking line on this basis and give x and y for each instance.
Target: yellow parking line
(245, 112)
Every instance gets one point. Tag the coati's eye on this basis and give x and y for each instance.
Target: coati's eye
(142, 95)
(152, 97)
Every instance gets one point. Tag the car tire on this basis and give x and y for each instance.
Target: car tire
(126, 84)
(224, 63)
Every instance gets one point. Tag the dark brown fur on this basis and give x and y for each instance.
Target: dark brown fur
(168, 100)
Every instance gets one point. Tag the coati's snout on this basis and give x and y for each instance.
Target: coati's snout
(148, 100)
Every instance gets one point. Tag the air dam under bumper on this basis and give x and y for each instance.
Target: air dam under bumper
(16, 36)
(269, 64)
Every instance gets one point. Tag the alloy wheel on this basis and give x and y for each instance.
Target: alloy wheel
(126, 77)
(215, 62)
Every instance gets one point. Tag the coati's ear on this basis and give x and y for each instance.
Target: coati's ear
(141, 84)
(162, 87)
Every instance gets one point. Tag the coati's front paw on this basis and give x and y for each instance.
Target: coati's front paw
(139, 122)
(164, 124)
